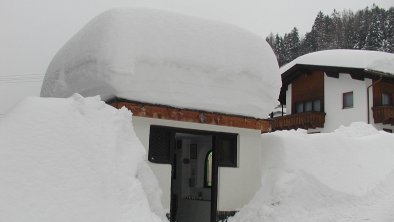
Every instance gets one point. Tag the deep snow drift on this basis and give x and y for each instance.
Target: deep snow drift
(347, 175)
(351, 58)
(74, 159)
(78, 159)
(165, 58)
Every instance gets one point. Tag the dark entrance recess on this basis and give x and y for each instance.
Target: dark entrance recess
(195, 157)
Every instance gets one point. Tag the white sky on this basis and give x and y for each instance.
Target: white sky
(31, 31)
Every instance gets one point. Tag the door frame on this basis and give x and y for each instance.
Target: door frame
(214, 187)
(215, 162)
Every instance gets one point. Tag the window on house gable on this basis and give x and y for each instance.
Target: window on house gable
(347, 100)
(308, 106)
(386, 99)
(299, 107)
(316, 105)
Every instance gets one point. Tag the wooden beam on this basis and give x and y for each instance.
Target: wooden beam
(332, 74)
(357, 76)
(194, 116)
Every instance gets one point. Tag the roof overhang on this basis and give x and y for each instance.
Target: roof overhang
(157, 111)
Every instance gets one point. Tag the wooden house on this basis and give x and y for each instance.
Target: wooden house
(327, 89)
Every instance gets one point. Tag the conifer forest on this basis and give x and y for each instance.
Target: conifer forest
(369, 29)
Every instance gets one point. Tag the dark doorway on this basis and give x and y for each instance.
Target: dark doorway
(195, 157)
(191, 189)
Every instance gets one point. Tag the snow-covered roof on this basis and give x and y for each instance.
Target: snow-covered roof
(361, 59)
(160, 57)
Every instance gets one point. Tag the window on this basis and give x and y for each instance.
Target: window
(159, 145)
(226, 150)
(347, 101)
(386, 99)
(308, 106)
(299, 107)
(208, 169)
(316, 105)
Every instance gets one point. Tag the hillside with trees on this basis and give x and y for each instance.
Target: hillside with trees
(369, 29)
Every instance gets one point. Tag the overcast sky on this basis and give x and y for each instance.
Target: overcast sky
(31, 31)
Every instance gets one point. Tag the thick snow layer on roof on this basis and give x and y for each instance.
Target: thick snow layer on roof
(74, 159)
(347, 175)
(363, 59)
(164, 58)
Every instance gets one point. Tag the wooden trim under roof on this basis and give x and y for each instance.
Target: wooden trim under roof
(188, 115)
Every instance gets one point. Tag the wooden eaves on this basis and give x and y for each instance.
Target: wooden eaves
(149, 110)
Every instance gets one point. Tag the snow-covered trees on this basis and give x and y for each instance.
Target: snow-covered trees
(370, 28)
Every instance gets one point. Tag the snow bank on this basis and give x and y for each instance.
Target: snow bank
(164, 58)
(74, 159)
(362, 59)
(347, 175)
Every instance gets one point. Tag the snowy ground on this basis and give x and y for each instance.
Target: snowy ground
(74, 159)
(78, 159)
(347, 175)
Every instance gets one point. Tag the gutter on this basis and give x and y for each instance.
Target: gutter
(373, 84)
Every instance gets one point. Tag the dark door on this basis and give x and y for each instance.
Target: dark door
(191, 184)
(195, 157)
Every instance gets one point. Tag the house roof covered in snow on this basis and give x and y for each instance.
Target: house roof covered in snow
(359, 64)
(164, 58)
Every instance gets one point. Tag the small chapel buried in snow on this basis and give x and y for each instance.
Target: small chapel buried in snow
(199, 91)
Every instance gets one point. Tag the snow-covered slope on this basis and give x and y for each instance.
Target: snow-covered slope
(347, 175)
(164, 58)
(363, 59)
(74, 159)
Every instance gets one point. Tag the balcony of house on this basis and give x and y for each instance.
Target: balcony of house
(383, 114)
(304, 120)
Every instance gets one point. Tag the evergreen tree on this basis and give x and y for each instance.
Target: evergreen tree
(362, 26)
(280, 50)
(318, 29)
(294, 46)
(349, 30)
(338, 40)
(388, 32)
(371, 29)
(271, 40)
(309, 43)
(286, 49)
(374, 36)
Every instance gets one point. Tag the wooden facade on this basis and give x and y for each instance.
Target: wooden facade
(189, 115)
(308, 87)
(307, 84)
(381, 87)
(383, 114)
(306, 120)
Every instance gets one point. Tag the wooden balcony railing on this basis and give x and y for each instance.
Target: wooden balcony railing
(306, 120)
(383, 114)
